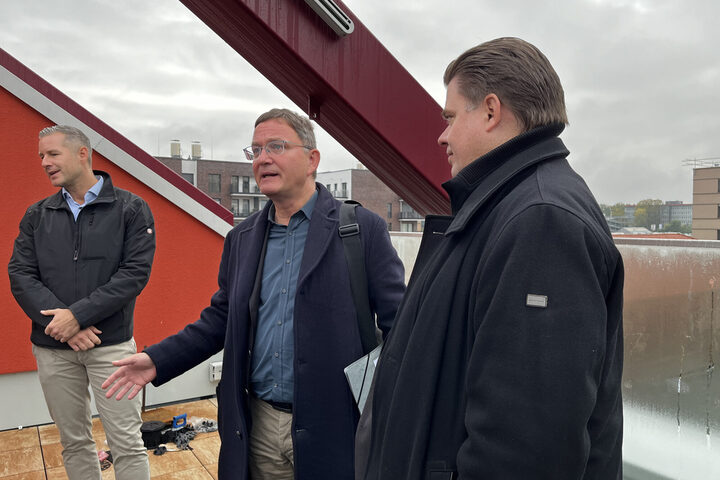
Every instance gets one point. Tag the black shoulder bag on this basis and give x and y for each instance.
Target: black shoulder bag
(359, 373)
(350, 233)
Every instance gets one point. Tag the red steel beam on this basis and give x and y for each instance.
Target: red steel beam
(351, 86)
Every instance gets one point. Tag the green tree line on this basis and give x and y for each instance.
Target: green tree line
(648, 212)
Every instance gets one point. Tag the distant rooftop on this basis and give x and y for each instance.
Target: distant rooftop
(659, 235)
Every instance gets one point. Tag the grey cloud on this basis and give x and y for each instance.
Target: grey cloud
(640, 77)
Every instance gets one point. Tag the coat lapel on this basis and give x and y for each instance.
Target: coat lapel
(542, 151)
(323, 225)
(254, 302)
(247, 258)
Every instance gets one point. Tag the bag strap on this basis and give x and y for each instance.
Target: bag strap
(349, 231)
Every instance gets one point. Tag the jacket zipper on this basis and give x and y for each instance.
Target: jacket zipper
(76, 253)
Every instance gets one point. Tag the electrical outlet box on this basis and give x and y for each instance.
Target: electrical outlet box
(215, 371)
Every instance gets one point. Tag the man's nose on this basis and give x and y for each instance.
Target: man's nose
(442, 139)
(262, 156)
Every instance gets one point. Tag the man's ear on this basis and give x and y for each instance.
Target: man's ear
(493, 110)
(314, 159)
(84, 154)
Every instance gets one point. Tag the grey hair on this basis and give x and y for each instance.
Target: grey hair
(299, 123)
(518, 73)
(73, 136)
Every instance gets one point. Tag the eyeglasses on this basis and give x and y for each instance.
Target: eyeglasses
(276, 147)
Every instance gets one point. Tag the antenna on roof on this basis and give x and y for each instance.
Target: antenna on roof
(702, 162)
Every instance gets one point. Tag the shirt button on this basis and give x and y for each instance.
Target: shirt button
(279, 323)
(284, 291)
(277, 354)
(287, 261)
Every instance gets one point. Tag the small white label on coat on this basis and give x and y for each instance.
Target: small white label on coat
(149, 231)
(539, 301)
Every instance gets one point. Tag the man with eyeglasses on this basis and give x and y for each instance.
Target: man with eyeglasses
(285, 316)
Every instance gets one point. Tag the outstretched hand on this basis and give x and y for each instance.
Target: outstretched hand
(134, 373)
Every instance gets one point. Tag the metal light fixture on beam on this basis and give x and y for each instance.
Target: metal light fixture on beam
(333, 16)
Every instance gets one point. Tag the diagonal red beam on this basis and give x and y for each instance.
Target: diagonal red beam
(351, 86)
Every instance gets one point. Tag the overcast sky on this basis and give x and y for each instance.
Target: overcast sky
(641, 77)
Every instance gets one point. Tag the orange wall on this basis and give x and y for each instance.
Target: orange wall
(184, 273)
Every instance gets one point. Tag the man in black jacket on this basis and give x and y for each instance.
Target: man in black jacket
(81, 258)
(505, 360)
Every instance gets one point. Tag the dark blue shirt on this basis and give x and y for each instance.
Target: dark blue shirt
(272, 371)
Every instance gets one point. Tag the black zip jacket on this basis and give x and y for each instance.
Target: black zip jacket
(505, 359)
(95, 266)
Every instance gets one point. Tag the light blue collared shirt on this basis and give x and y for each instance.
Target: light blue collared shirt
(272, 373)
(91, 195)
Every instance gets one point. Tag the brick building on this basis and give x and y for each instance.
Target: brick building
(232, 184)
(706, 203)
(361, 185)
(229, 183)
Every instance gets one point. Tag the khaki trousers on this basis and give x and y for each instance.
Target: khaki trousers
(271, 447)
(64, 377)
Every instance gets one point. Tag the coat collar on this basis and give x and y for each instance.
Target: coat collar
(477, 182)
(324, 205)
(323, 227)
(107, 194)
(323, 223)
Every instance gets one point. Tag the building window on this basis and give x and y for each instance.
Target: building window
(718, 234)
(246, 207)
(343, 192)
(389, 226)
(189, 177)
(246, 185)
(253, 186)
(256, 204)
(718, 212)
(389, 210)
(235, 207)
(407, 212)
(328, 187)
(214, 183)
(234, 184)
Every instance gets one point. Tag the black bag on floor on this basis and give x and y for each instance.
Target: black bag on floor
(152, 433)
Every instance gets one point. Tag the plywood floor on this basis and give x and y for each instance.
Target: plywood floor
(34, 453)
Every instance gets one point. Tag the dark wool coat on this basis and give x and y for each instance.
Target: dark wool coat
(325, 330)
(478, 381)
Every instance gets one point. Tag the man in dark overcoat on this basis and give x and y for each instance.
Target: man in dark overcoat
(505, 360)
(284, 315)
